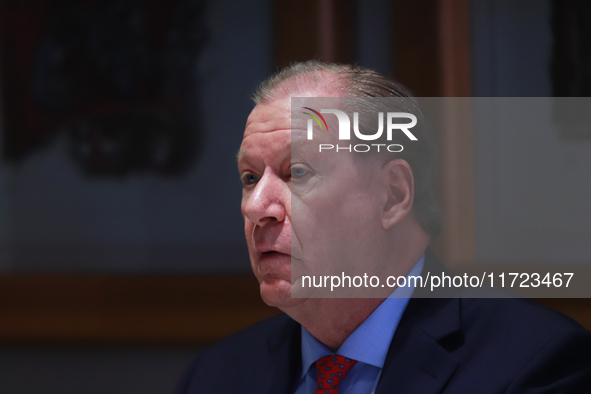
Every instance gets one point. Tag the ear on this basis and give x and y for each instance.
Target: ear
(400, 192)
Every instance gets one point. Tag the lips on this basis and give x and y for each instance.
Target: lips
(270, 248)
(263, 249)
(272, 265)
(273, 252)
(271, 258)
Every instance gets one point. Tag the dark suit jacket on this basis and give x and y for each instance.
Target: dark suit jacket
(442, 345)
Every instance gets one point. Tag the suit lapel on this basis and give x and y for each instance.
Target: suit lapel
(419, 359)
(417, 362)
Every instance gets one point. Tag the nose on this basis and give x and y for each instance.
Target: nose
(268, 201)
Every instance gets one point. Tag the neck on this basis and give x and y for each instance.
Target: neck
(333, 320)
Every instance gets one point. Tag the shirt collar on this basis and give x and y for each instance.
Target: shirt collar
(370, 342)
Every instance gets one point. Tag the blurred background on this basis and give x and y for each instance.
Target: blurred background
(121, 239)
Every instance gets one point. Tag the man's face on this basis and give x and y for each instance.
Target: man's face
(264, 166)
(335, 203)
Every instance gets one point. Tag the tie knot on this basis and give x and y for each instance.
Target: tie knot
(331, 369)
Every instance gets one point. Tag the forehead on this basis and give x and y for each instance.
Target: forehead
(269, 132)
(267, 117)
(267, 135)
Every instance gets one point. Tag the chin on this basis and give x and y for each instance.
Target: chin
(277, 293)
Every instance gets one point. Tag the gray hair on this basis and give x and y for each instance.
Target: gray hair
(354, 81)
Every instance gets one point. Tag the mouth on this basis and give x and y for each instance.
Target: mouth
(272, 253)
(266, 251)
(273, 267)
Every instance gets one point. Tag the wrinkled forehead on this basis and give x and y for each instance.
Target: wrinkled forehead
(270, 116)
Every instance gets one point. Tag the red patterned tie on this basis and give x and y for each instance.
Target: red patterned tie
(331, 369)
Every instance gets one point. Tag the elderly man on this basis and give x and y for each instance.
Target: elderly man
(302, 208)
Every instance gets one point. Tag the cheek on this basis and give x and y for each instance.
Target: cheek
(248, 229)
(333, 220)
(313, 224)
(242, 208)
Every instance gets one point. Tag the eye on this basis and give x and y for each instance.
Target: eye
(298, 172)
(249, 178)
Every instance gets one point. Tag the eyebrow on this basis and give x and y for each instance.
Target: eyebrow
(240, 154)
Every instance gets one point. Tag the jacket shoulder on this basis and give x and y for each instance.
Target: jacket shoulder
(521, 317)
(520, 345)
